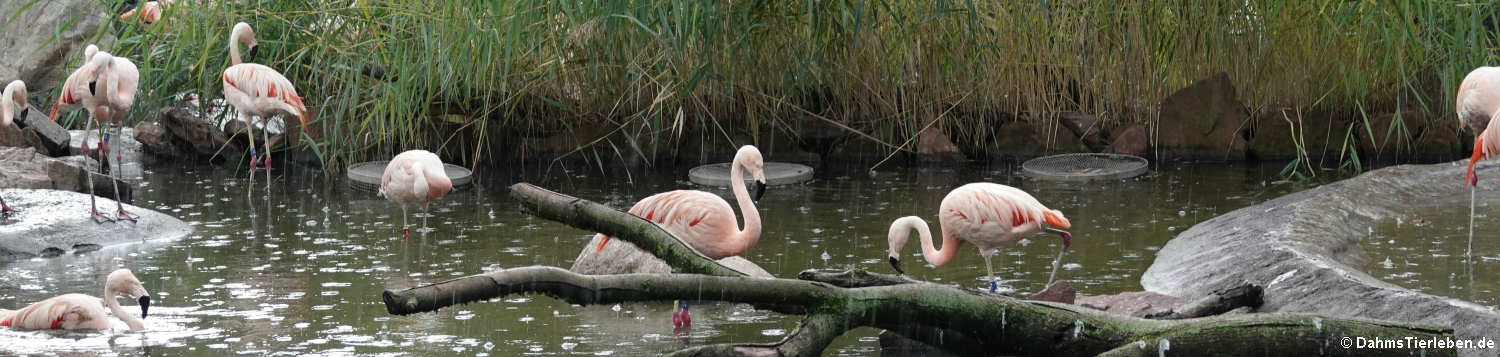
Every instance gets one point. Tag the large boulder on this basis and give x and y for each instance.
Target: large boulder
(36, 131)
(1305, 249)
(1204, 120)
(41, 38)
(51, 222)
(621, 257)
(25, 168)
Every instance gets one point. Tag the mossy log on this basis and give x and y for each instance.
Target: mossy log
(981, 323)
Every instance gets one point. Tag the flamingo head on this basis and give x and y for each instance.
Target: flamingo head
(243, 33)
(100, 61)
(749, 157)
(897, 236)
(15, 91)
(123, 282)
(1057, 223)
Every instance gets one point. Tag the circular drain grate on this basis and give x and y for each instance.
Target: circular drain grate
(1085, 166)
(366, 175)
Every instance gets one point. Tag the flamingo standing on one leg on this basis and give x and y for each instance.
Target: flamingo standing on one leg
(986, 215)
(82, 90)
(80, 311)
(149, 12)
(12, 100)
(259, 91)
(704, 220)
(414, 177)
(1477, 106)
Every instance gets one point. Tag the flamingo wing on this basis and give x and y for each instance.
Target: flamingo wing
(262, 91)
(701, 219)
(70, 311)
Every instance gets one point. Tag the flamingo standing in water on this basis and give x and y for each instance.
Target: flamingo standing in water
(82, 89)
(414, 177)
(149, 12)
(986, 215)
(704, 220)
(80, 311)
(258, 91)
(11, 101)
(1477, 106)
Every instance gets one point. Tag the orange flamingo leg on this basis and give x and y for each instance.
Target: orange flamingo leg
(5, 208)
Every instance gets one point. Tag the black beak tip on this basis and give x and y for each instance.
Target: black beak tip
(145, 305)
(760, 190)
(91, 88)
(250, 55)
(896, 263)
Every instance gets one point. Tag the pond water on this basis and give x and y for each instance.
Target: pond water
(1424, 250)
(300, 272)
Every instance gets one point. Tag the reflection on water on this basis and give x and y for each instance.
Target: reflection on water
(302, 272)
(1424, 250)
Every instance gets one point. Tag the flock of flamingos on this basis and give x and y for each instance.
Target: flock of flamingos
(987, 215)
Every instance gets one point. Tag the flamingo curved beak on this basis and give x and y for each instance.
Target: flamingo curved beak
(896, 263)
(1067, 238)
(250, 55)
(760, 190)
(91, 87)
(145, 302)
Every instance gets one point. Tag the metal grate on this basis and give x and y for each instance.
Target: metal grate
(1085, 166)
(366, 175)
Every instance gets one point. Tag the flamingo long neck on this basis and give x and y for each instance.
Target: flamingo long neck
(742, 240)
(7, 109)
(114, 307)
(234, 48)
(939, 257)
(419, 182)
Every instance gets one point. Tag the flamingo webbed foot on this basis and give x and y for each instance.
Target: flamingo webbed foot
(100, 218)
(124, 215)
(6, 210)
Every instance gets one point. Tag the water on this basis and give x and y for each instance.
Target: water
(303, 273)
(1424, 250)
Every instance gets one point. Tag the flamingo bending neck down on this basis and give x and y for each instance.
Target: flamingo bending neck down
(987, 215)
(258, 91)
(1478, 104)
(92, 87)
(414, 177)
(704, 220)
(83, 312)
(12, 105)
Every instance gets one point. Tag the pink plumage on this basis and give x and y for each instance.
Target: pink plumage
(82, 312)
(987, 215)
(705, 221)
(414, 177)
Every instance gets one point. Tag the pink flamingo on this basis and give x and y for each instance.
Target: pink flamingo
(259, 91)
(1477, 107)
(83, 312)
(704, 220)
(122, 79)
(414, 177)
(11, 101)
(149, 12)
(986, 215)
(82, 90)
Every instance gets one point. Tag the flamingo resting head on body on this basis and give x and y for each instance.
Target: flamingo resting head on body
(13, 103)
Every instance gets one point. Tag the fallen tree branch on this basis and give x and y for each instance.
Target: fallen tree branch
(1219, 302)
(993, 324)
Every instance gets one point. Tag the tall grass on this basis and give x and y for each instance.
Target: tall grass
(473, 77)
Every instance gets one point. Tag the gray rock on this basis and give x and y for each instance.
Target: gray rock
(1305, 248)
(58, 221)
(25, 168)
(621, 257)
(36, 131)
(43, 39)
(1204, 120)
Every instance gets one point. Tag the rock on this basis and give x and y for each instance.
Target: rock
(36, 131)
(190, 132)
(933, 146)
(1272, 134)
(1133, 140)
(1060, 291)
(621, 257)
(1203, 120)
(1020, 139)
(58, 221)
(1088, 128)
(1134, 304)
(24, 168)
(42, 38)
(1305, 249)
(157, 140)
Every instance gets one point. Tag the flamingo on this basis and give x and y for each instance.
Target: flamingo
(82, 90)
(414, 177)
(1476, 107)
(122, 78)
(986, 215)
(83, 312)
(12, 100)
(704, 220)
(149, 12)
(259, 91)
